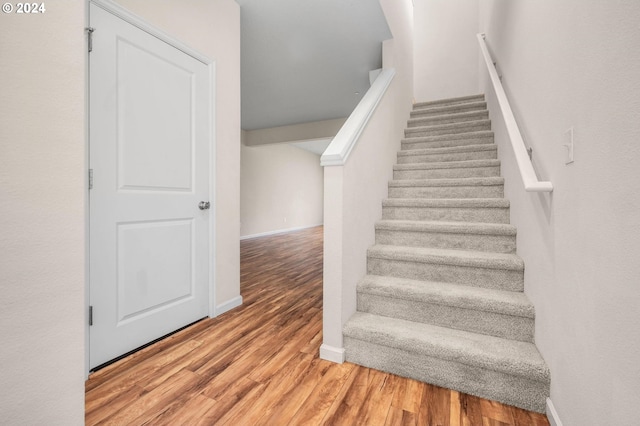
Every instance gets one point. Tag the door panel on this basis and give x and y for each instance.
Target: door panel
(155, 267)
(149, 158)
(149, 145)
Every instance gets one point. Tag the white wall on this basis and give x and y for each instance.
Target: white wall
(576, 64)
(281, 189)
(212, 27)
(446, 53)
(42, 211)
(354, 192)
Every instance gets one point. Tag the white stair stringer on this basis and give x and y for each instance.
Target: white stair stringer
(443, 300)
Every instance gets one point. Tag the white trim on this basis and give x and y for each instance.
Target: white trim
(228, 305)
(331, 353)
(338, 151)
(278, 231)
(552, 414)
(87, 218)
(529, 178)
(212, 188)
(136, 21)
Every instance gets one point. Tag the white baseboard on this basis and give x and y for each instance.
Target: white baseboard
(331, 353)
(278, 231)
(228, 305)
(552, 414)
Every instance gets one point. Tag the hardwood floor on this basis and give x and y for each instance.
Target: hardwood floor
(259, 365)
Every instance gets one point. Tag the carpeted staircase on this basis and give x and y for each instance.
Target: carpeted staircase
(443, 299)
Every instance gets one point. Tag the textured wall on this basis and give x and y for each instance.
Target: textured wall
(576, 64)
(42, 183)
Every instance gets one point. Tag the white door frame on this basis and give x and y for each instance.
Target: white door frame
(140, 23)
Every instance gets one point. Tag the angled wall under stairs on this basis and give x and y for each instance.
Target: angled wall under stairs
(443, 301)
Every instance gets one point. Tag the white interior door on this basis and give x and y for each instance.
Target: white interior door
(149, 148)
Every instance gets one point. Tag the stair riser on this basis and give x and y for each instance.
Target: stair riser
(498, 279)
(448, 102)
(465, 172)
(434, 111)
(458, 241)
(463, 128)
(512, 390)
(407, 145)
(456, 156)
(479, 214)
(496, 191)
(435, 121)
(476, 321)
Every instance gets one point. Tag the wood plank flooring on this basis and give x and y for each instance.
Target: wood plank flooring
(259, 365)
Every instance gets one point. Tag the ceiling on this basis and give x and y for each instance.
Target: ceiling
(307, 60)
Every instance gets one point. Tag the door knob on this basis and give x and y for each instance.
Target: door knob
(204, 205)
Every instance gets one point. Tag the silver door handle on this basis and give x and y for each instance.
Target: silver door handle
(204, 205)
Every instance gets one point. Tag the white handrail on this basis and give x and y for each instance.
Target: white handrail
(529, 177)
(340, 147)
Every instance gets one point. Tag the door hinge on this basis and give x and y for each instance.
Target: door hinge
(90, 178)
(90, 31)
(90, 315)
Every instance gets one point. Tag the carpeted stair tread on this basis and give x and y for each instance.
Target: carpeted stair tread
(443, 297)
(469, 203)
(441, 129)
(456, 168)
(439, 110)
(470, 181)
(459, 117)
(449, 101)
(504, 302)
(484, 210)
(447, 165)
(447, 150)
(458, 235)
(447, 227)
(464, 258)
(465, 168)
(449, 137)
(506, 356)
